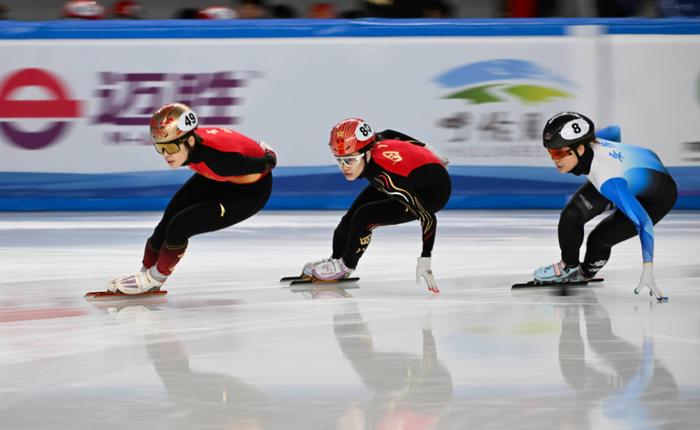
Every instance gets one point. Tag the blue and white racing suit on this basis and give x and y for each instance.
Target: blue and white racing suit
(629, 178)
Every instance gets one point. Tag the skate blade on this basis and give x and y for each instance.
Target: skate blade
(540, 284)
(96, 296)
(323, 289)
(306, 280)
(287, 279)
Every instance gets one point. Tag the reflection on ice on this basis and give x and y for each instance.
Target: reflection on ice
(229, 348)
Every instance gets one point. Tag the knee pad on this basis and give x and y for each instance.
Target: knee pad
(579, 210)
(361, 219)
(572, 215)
(596, 239)
(179, 230)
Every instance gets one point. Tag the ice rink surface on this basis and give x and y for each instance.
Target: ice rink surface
(231, 348)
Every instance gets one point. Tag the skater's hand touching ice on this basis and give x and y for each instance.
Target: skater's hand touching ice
(647, 281)
(424, 271)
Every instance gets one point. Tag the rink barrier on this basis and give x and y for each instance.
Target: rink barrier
(477, 187)
(307, 28)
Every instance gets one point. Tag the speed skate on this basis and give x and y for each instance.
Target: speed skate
(92, 296)
(304, 279)
(545, 284)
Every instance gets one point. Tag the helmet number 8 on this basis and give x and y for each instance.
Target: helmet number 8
(574, 129)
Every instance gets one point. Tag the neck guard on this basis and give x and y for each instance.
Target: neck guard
(583, 167)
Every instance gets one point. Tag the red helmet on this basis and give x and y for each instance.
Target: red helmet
(127, 9)
(322, 11)
(349, 136)
(83, 9)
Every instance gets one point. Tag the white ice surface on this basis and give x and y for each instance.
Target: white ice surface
(230, 348)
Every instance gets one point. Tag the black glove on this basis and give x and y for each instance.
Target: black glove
(270, 160)
(270, 156)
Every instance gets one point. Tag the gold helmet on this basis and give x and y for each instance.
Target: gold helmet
(172, 122)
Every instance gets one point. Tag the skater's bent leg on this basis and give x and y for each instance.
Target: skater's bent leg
(366, 219)
(615, 228)
(234, 205)
(195, 190)
(586, 204)
(570, 231)
(168, 258)
(340, 235)
(150, 255)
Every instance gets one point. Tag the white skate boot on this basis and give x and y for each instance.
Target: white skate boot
(331, 270)
(309, 267)
(139, 283)
(559, 272)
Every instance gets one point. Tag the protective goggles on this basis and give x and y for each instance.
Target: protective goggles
(349, 160)
(558, 154)
(172, 147)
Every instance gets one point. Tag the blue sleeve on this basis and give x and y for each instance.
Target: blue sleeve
(612, 133)
(616, 190)
(628, 403)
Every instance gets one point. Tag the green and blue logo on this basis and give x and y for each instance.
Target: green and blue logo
(503, 80)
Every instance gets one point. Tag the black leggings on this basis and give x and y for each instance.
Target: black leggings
(202, 205)
(372, 209)
(615, 228)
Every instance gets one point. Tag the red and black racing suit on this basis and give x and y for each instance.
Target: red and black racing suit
(232, 182)
(407, 182)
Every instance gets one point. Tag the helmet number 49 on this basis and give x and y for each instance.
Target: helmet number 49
(187, 121)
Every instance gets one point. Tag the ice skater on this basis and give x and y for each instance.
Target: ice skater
(407, 181)
(232, 182)
(629, 178)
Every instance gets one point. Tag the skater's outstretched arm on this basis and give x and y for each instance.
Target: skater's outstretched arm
(618, 192)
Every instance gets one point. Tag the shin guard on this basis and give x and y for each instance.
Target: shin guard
(169, 257)
(150, 255)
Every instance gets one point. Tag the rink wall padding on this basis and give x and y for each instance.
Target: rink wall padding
(74, 131)
(500, 187)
